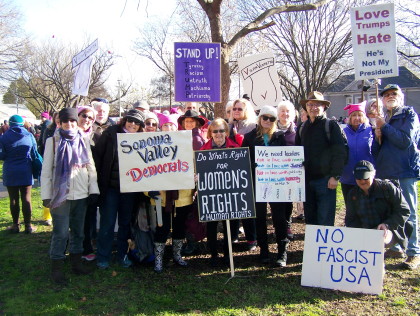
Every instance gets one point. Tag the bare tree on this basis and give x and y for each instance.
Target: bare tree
(12, 41)
(46, 76)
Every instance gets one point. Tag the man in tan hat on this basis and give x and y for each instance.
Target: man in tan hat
(325, 149)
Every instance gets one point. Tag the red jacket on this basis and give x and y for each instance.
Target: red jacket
(229, 144)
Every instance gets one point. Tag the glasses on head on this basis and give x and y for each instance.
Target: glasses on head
(386, 95)
(265, 118)
(216, 131)
(237, 109)
(151, 124)
(85, 116)
(66, 121)
(101, 100)
(130, 120)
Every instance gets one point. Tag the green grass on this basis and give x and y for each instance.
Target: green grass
(25, 287)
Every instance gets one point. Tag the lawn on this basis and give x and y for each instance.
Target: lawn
(26, 289)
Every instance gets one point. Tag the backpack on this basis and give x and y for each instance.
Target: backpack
(328, 134)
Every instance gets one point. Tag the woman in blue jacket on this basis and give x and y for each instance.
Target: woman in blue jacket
(15, 149)
(360, 138)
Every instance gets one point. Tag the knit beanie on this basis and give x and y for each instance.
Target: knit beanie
(16, 120)
(67, 114)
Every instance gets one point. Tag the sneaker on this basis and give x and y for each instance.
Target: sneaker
(252, 245)
(412, 262)
(394, 254)
(125, 263)
(89, 257)
(289, 234)
(14, 228)
(103, 265)
(29, 229)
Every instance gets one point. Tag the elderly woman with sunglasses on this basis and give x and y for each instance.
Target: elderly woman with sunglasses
(86, 117)
(113, 201)
(151, 123)
(266, 134)
(217, 134)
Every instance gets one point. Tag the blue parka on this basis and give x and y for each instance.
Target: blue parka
(360, 145)
(15, 149)
(398, 156)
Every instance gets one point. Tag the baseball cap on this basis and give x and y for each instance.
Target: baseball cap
(363, 170)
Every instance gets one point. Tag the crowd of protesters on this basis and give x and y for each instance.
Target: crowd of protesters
(80, 178)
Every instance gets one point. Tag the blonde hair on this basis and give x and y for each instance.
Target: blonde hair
(260, 128)
(249, 113)
(217, 121)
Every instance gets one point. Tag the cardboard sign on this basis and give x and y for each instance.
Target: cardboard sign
(155, 161)
(224, 184)
(279, 176)
(374, 41)
(260, 79)
(197, 72)
(342, 258)
(85, 54)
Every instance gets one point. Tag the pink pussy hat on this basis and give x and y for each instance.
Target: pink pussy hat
(356, 107)
(163, 119)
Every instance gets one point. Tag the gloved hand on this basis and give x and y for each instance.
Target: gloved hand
(93, 199)
(154, 194)
(46, 203)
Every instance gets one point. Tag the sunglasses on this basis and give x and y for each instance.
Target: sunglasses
(85, 116)
(386, 95)
(151, 124)
(101, 100)
(130, 120)
(216, 131)
(237, 109)
(66, 121)
(265, 118)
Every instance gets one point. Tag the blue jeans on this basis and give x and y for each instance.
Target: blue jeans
(114, 203)
(409, 191)
(320, 203)
(69, 215)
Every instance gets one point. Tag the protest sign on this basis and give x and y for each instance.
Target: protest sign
(83, 62)
(260, 79)
(224, 184)
(279, 175)
(342, 258)
(197, 72)
(155, 161)
(374, 41)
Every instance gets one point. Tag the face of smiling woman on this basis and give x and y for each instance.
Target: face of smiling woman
(85, 120)
(132, 126)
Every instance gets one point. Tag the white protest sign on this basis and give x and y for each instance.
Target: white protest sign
(82, 77)
(279, 175)
(155, 161)
(374, 41)
(85, 54)
(260, 79)
(342, 258)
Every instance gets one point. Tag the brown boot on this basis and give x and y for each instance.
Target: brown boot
(77, 265)
(57, 273)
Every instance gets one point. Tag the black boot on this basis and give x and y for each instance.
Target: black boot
(282, 255)
(264, 252)
(57, 273)
(77, 265)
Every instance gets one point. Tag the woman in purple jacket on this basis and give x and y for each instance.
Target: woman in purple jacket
(360, 138)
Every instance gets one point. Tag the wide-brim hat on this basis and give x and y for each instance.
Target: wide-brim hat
(192, 114)
(315, 96)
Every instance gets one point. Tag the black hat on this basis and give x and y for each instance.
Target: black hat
(391, 86)
(136, 115)
(363, 170)
(192, 114)
(67, 114)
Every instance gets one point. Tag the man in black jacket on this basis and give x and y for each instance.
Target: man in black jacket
(378, 204)
(325, 149)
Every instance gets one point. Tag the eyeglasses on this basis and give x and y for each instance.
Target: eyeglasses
(314, 104)
(237, 109)
(130, 120)
(189, 108)
(66, 121)
(85, 116)
(216, 131)
(101, 100)
(386, 95)
(151, 124)
(265, 118)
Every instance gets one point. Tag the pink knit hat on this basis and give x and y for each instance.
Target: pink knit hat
(46, 115)
(173, 118)
(356, 107)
